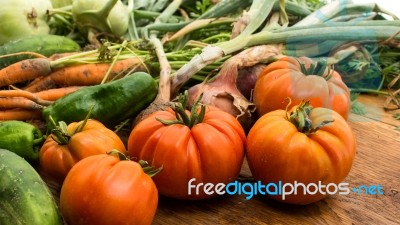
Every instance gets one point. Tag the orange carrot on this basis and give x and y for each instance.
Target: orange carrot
(24, 94)
(34, 54)
(91, 74)
(56, 93)
(24, 70)
(20, 114)
(85, 74)
(23, 103)
(40, 84)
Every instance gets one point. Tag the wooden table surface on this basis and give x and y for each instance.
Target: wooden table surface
(377, 162)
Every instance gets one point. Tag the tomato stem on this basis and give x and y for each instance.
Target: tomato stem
(149, 170)
(121, 156)
(182, 116)
(300, 117)
(318, 68)
(60, 132)
(83, 124)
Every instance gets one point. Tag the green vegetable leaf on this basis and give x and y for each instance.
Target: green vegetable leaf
(200, 7)
(358, 108)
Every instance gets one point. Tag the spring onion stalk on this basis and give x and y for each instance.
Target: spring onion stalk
(221, 9)
(163, 95)
(340, 8)
(310, 49)
(343, 33)
(145, 14)
(324, 13)
(132, 33)
(198, 24)
(293, 9)
(368, 23)
(225, 7)
(258, 12)
(354, 17)
(362, 8)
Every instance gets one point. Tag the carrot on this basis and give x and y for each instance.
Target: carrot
(24, 99)
(24, 70)
(23, 103)
(40, 84)
(24, 94)
(34, 54)
(91, 74)
(84, 74)
(56, 93)
(20, 114)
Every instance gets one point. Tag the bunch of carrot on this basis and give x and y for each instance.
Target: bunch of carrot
(30, 85)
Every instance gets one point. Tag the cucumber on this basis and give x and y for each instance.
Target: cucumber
(111, 103)
(46, 45)
(25, 197)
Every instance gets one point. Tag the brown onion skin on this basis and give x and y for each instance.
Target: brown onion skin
(247, 78)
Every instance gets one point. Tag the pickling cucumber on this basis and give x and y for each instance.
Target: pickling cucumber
(109, 103)
(45, 45)
(24, 196)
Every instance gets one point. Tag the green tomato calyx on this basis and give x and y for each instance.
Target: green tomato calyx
(182, 117)
(300, 117)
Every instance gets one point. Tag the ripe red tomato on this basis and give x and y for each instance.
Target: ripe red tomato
(103, 190)
(211, 151)
(288, 150)
(286, 78)
(56, 159)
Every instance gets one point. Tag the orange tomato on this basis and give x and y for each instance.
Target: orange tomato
(211, 151)
(285, 78)
(278, 150)
(56, 159)
(103, 190)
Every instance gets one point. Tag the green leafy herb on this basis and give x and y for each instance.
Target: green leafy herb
(358, 108)
(199, 8)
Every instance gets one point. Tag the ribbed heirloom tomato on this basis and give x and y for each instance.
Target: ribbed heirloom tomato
(207, 145)
(306, 145)
(300, 79)
(105, 190)
(69, 144)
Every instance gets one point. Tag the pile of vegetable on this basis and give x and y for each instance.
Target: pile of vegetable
(118, 101)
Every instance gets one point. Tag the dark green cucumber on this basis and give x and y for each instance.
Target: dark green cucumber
(111, 103)
(46, 45)
(25, 197)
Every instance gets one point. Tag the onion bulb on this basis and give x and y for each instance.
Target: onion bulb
(110, 16)
(22, 18)
(223, 92)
